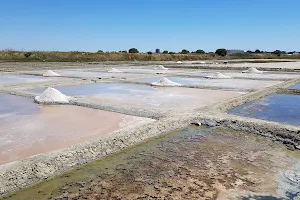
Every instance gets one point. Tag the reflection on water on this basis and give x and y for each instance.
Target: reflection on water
(76, 73)
(276, 107)
(105, 88)
(15, 105)
(7, 79)
(297, 86)
(183, 81)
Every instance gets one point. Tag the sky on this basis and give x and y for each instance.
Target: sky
(173, 25)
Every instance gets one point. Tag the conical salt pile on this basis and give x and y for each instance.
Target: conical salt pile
(253, 70)
(179, 62)
(50, 73)
(202, 62)
(165, 82)
(161, 67)
(52, 96)
(114, 70)
(219, 75)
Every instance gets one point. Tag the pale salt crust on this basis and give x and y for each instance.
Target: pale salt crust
(179, 62)
(114, 70)
(51, 96)
(50, 73)
(160, 67)
(253, 70)
(128, 123)
(165, 82)
(218, 75)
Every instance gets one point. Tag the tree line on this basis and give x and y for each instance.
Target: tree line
(220, 52)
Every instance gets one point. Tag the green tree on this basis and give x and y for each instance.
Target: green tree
(27, 54)
(149, 52)
(184, 51)
(257, 51)
(99, 51)
(200, 51)
(165, 52)
(133, 50)
(277, 52)
(171, 52)
(221, 52)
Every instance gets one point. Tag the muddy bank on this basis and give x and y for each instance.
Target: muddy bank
(195, 163)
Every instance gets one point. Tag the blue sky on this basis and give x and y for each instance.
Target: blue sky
(90, 25)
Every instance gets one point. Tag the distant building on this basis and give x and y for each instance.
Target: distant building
(234, 51)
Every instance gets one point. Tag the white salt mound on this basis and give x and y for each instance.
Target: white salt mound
(165, 82)
(50, 73)
(51, 96)
(179, 62)
(202, 62)
(160, 67)
(219, 75)
(114, 70)
(253, 70)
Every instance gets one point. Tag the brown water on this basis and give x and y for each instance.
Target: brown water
(193, 163)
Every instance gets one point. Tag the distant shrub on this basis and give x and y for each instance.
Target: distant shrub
(184, 51)
(27, 54)
(277, 52)
(124, 51)
(165, 52)
(257, 51)
(133, 50)
(200, 51)
(221, 52)
(149, 52)
(172, 52)
(100, 51)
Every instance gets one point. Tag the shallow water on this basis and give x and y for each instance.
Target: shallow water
(28, 129)
(276, 107)
(76, 73)
(143, 95)
(15, 105)
(222, 83)
(9, 79)
(297, 86)
(147, 71)
(195, 163)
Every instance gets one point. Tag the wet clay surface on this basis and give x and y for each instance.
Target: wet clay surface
(195, 163)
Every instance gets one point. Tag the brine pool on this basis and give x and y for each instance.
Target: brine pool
(283, 108)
